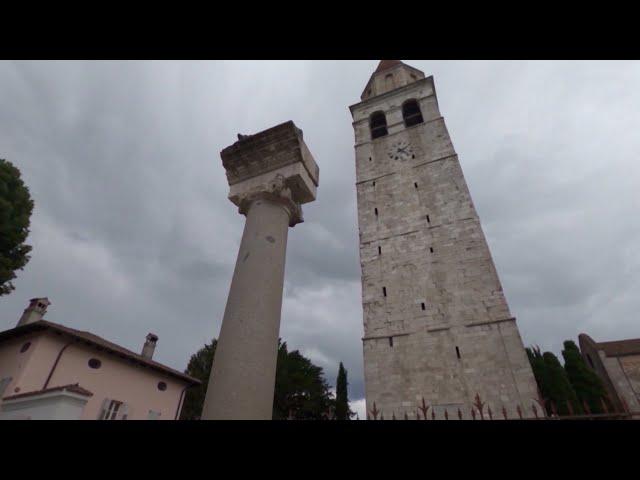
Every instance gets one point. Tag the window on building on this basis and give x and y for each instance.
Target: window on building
(153, 415)
(4, 383)
(428, 219)
(94, 363)
(411, 113)
(424, 307)
(113, 410)
(379, 250)
(384, 291)
(375, 210)
(391, 341)
(431, 249)
(458, 352)
(378, 125)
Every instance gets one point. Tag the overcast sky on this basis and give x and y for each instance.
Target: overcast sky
(132, 231)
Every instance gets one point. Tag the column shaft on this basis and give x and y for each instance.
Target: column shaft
(242, 379)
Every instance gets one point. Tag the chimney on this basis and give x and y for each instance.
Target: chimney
(149, 346)
(35, 311)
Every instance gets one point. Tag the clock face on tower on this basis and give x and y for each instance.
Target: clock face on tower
(400, 151)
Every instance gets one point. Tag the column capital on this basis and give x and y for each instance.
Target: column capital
(276, 191)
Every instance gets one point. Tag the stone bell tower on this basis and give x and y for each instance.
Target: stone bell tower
(436, 322)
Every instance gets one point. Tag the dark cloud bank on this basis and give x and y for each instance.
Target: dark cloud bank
(132, 231)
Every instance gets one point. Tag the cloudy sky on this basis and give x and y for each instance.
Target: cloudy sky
(132, 231)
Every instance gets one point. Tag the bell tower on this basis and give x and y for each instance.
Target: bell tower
(436, 322)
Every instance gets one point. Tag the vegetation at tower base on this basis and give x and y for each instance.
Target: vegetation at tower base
(199, 367)
(16, 206)
(342, 412)
(553, 382)
(585, 382)
(301, 391)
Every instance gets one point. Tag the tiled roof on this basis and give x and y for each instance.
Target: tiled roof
(75, 388)
(98, 342)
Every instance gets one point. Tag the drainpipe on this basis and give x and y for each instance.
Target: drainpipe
(55, 364)
(180, 401)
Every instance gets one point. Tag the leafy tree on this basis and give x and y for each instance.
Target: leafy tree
(15, 214)
(199, 367)
(300, 391)
(585, 382)
(539, 370)
(343, 412)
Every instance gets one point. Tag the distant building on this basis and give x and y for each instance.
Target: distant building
(618, 365)
(49, 371)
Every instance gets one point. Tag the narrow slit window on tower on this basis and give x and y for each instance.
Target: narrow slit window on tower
(411, 113)
(384, 291)
(424, 307)
(428, 219)
(378, 125)
(415, 184)
(431, 249)
(379, 250)
(374, 184)
(375, 210)
(391, 341)
(458, 352)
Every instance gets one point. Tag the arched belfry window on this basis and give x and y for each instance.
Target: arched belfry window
(411, 113)
(378, 124)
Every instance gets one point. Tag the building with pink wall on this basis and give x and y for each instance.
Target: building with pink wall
(49, 371)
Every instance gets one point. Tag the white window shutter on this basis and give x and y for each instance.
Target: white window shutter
(105, 408)
(4, 383)
(123, 413)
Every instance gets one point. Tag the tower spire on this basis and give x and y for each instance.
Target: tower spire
(387, 64)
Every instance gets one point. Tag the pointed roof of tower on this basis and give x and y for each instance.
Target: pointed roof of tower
(387, 64)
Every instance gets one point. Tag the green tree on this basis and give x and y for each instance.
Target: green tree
(15, 215)
(558, 387)
(300, 389)
(539, 370)
(585, 382)
(343, 412)
(199, 367)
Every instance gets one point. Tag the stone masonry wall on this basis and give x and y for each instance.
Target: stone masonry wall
(436, 322)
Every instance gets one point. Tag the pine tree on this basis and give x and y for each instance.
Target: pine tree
(343, 412)
(16, 206)
(585, 382)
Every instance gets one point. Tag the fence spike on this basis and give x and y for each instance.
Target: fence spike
(393, 415)
(504, 412)
(554, 409)
(433, 414)
(480, 405)
(604, 405)
(459, 414)
(446, 414)
(585, 405)
(417, 415)
(473, 413)
(424, 408)
(406, 417)
(381, 415)
(519, 410)
(535, 410)
(489, 412)
(375, 411)
(625, 405)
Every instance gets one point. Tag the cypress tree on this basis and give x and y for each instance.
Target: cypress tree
(585, 382)
(559, 389)
(342, 399)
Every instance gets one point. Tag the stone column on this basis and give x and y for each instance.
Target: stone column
(242, 379)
